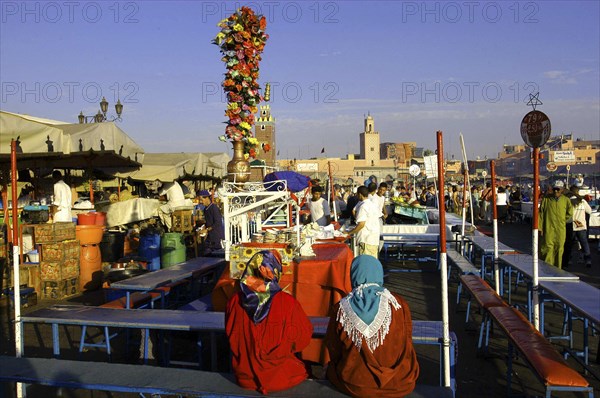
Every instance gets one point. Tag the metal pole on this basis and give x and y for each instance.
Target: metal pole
(443, 261)
(15, 256)
(495, 223)
(534, 232)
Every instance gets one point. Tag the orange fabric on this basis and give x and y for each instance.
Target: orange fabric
(317, 283)
(263, 354)
(389, 371)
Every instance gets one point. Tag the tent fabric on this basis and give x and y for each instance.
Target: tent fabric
(44, 143)
(295, 182)
(173, 166)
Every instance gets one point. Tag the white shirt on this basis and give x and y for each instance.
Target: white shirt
(579, 213)
(174, 194)
(62, 199)
(378, 202)
(319, 210)
(501, 199)
(367, 212)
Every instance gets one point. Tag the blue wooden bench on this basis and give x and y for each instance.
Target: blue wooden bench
(424, 332)
(156, 380)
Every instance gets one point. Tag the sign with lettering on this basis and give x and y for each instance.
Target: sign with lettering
(563, 156)
(535, 129)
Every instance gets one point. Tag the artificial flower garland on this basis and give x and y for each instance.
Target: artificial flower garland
(242, 39)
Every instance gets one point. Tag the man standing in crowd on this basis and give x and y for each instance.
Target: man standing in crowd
(319, 207)
(62, 199)
(215, 229)
(378, 199)
(367, 228)
(555, 210)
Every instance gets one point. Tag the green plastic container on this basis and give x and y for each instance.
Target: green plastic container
(172, 249)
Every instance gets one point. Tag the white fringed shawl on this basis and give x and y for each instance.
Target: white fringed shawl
(356, 328)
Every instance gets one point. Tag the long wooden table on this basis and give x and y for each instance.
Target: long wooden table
(152, 280)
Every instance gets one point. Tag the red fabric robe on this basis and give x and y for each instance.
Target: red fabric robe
(263, 354)
(390, 371)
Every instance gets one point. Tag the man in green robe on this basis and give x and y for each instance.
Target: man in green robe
(555, 210)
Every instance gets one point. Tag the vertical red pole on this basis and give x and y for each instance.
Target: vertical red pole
(443, 262)
(15, 197)
(534, 238)
(441, 199)
(536, 186)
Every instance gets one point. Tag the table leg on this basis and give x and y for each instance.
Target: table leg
(55, 340)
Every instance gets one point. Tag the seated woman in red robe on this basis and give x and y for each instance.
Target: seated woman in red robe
(266, 327)
(369, 337)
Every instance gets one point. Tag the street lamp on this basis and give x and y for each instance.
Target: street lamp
(101, 115)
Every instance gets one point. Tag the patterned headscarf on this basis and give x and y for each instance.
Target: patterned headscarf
(259, 284)
(366, 311)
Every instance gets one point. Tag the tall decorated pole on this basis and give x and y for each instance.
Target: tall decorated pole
(242, 39)
(443, 260)
(535, 131)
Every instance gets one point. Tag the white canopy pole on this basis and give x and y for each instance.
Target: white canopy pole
(443, 262)
(16, 258)
(495, 214)
(534, 233)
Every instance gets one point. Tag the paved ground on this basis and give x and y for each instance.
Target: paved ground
(478, 375)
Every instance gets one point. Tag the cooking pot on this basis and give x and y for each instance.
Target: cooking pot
(119, 274)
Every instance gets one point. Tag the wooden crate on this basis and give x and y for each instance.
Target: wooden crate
(60, 251)
(51, 233)
(50, 270)
(59, 289)
(64, 231)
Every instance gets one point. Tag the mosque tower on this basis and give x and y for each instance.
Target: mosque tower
(369, 143)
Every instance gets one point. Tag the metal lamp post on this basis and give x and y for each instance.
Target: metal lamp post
(101, 115)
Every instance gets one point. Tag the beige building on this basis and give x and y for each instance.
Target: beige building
(385, 161)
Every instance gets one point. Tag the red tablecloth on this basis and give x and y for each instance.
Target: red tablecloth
(317, 283)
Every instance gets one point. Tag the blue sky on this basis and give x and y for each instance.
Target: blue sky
(417, 67)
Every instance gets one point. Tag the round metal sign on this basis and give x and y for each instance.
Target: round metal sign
(484, 173)
(551, 166)
(414, 170)
(568, 167)
(535, 129)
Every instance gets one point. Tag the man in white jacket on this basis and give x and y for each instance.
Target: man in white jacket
(580, 209)
(62, 199)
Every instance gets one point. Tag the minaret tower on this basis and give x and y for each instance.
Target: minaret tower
(264, 130)
(369, 142)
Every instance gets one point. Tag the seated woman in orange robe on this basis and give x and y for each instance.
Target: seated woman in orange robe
(266, 327)
(369, 337)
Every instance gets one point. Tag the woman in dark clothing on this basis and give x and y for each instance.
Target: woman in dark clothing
(213, 223)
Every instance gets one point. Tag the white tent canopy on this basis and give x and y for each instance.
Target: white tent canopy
(172, 166)
(44, 143)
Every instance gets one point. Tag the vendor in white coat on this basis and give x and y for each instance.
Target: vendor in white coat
(173, 194)
(62, 199)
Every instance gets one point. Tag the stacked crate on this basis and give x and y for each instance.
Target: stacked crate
(59, 260)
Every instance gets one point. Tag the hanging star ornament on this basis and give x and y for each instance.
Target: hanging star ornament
(534, 100)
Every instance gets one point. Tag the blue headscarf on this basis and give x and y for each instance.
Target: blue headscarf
(366, 276)
(366, 312)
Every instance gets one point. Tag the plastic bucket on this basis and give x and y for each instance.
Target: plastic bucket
(149, 248)
(90, 268)
(86, 219)
(100, 218)
(112, 246)
(89, 234)
(172, 249)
